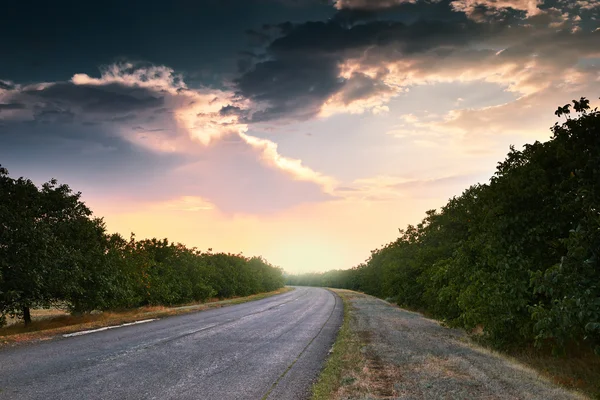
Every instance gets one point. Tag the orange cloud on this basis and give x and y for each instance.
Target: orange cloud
(472, 7)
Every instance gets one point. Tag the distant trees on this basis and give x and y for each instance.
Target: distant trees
(53, 252)
(153, 272)
(518, 257)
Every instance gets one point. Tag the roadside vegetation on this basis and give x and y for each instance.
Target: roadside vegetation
(389, 352)
(515, 261)
(55, 254)
(343, 363)
(349, 373)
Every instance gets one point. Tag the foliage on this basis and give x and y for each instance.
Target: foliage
(517, 258)
(48, 244)
(54, 252)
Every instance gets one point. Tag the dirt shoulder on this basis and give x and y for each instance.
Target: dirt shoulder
(404, 355)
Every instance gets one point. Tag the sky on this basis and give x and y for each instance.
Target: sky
(305, 131)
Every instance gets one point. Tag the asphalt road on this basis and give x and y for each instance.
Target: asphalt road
(272, 348)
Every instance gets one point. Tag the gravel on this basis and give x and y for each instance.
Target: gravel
(417, 358)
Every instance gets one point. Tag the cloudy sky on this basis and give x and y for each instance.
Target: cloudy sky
(307, 131)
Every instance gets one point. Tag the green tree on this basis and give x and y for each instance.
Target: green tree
(518, 258)
(49, 246)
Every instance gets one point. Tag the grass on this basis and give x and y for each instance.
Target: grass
(39, 314)
(348, 372)
(580, 372)
(47, 324)
(578, 369)
(346, 368)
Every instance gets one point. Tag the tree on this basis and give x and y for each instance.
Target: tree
(49, 246)
(518, 258)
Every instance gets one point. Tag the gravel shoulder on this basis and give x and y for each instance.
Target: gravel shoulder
(408, 356)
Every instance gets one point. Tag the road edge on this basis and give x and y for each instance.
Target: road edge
(345, 356)
(304, 370)
(32, 337)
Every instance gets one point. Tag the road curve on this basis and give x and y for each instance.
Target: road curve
(266, 349)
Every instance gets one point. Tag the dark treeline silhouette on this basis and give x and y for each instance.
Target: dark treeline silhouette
(518, 258)
(53, 252)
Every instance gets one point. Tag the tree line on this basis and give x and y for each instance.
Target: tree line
(518, 257)
(53, 252)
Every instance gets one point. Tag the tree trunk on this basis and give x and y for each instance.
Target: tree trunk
(26, 316)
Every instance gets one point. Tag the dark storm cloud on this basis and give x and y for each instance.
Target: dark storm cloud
(361, 86)
(369, 4)
(302, 70)
(53, 115)
(292, 87)
(351, 16)
(230, 110)
(110, 98)
(258, 37)
(124, 118)
(331, 40)
(6, 85)
(66, 102)
(12, 106)
(49, 41)
(299, 3)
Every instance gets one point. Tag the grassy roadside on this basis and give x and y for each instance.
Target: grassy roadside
(47, 328)
(580, 372)
(352, 373)
(346, 368)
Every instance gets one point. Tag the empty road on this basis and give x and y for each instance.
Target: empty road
(272, 348)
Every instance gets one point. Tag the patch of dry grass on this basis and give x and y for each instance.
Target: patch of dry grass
(351, 373)
(355, 372)
(579, 371)
(39, 314)
(54, 322)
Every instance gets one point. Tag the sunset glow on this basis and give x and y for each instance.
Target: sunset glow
(308, 134)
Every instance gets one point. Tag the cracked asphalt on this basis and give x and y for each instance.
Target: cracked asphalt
(267, 349)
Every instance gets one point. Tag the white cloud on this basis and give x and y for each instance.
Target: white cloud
(294, 167)
(195, 110)
(186, 203)
(386, 188)
(128, 74)
(154, 109)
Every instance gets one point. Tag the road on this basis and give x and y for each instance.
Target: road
(267, 349)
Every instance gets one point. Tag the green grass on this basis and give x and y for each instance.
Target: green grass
(344, 366)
